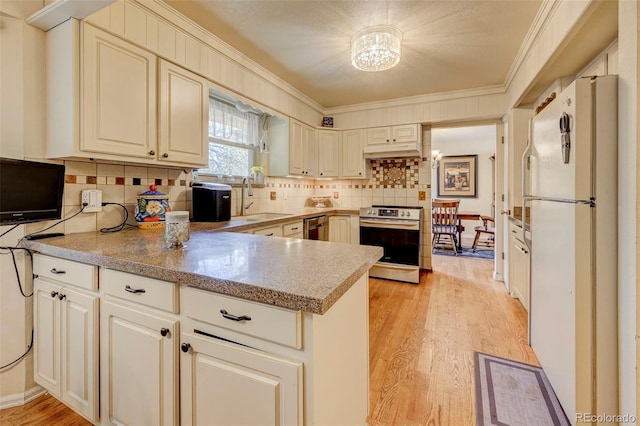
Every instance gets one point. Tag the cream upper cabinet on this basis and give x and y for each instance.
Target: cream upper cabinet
(109, 99)
(395, 134)
(378, 135)
(405, 133)
(353, 162)
(294, 149)
(310, 157)
(329, 153)
(184, 116)
(118, 96)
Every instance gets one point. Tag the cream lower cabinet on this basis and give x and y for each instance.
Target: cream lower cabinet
(229, 384)
(271, 231)
(139, 346)
(66, 335)
(247, 363)
(519, 270)
(293, 230)
(340, 229)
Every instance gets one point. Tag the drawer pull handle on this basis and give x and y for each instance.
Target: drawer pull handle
(134, 290)
(54, 293)
(294, 229)
(164, 332)
(269, 234)
(55, 271)
(185, 347)
(227, 315)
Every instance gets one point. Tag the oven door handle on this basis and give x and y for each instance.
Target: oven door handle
(390, 224)
(395, 266)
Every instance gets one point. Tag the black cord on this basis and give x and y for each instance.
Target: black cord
(124, 223)
(59, 222)
(10, 229)
(21, 356)
(15, 266)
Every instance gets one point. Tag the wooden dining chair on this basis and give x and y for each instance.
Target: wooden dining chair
(488, 227)
(444, 222)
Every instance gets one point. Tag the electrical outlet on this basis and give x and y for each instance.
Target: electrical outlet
(272, 195)
(336, 195)
(93, 200)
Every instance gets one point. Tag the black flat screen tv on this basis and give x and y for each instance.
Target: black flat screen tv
(30, 191)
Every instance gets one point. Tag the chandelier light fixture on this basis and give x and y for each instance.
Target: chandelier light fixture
(376, 48)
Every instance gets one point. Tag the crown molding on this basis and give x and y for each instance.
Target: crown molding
(420, 99)
(539, 24)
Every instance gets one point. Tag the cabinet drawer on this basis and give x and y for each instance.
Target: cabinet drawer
(270, 323)
(273, 231)
(135, 288)
(289, 229)
(66, 271)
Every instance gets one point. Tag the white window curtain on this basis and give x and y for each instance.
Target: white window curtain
(229, 124)
(233, 140)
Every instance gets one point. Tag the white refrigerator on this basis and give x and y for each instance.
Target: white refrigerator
(572, 158)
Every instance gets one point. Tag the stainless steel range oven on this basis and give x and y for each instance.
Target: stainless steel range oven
(397, 230)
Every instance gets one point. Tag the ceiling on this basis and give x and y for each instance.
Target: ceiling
(447, 45)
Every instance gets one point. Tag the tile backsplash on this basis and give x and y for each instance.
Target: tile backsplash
(393, 182)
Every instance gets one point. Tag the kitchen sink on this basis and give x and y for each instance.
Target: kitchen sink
(262, 216)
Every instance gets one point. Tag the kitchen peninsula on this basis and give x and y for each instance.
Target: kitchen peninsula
(232, 327)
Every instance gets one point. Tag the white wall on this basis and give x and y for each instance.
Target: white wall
(21, 124)
(472, 140)
(627, 198)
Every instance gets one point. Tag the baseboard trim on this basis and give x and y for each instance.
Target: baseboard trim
(21, 398)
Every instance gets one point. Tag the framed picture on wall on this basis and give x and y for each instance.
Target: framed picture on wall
(458, 176)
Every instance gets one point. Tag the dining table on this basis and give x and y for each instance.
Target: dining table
(465, 216)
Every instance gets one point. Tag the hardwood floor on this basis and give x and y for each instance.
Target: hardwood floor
(44, 410)
(422, 339)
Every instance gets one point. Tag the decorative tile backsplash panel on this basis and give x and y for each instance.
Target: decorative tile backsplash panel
(395, 173)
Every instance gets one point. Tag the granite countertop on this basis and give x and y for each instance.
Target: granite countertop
(290, 273)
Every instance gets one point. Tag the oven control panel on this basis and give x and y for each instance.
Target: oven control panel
(387, 212)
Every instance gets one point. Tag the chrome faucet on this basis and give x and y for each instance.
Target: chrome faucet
(249, 194)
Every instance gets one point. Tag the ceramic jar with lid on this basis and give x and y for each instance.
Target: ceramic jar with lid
(151, 208)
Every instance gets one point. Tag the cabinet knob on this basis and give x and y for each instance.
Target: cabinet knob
(360, 173)
(152, 152)
(54, 293)
(61, 296)
(321, 173)
(394, 140)
(387, 140)
(165, 155)
(164, 332)
(185, 347)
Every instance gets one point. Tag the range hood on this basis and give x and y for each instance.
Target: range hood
(393, 150)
